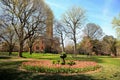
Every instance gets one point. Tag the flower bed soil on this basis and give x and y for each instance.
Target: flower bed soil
(48, 63)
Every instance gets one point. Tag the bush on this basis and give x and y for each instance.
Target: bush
(56, 62)
(71, 63)
(63, 55)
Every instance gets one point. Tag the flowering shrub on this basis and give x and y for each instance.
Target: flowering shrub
(47, 67)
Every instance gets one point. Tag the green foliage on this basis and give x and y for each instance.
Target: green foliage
(71, 63)
(56, 62)
(62, 63)
(63, 55)
(59, 70)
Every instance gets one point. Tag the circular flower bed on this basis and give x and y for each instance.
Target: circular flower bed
(48, 67)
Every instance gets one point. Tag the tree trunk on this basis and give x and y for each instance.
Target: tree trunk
(63, 48)
(63, 61)
(10, 49)
(75, 46)
(10, 52)
(31, 51)
(20, 50)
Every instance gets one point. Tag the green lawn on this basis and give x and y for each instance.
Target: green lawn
(9, 70)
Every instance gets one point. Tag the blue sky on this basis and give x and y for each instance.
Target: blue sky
(100, 12)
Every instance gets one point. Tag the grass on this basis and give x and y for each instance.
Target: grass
(9, 70)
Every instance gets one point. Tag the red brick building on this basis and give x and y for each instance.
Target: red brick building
(44, 44)
(47, 43)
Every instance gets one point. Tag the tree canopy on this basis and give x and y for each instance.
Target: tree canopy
(74, 19)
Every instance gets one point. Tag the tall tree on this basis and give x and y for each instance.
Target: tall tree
(116, 25)
(60, 31)
(25, 16)
(93, 31)
(8, 35)
(43, 29)
(73, 19)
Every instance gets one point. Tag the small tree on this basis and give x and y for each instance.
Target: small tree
(60, 31)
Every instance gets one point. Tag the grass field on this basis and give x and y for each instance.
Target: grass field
(9, 68)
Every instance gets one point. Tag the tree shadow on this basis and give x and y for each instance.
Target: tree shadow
(62, 77)
(11, 71)
(5, 57)
(13, 74)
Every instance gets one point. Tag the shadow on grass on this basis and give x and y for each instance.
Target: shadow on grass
(62, 77)
(10, 71)
(13, 74)
(5, 57)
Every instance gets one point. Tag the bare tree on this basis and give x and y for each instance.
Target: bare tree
(7, 35)
(60, 31)
(93, 31)
(73, 19)
(25, 16)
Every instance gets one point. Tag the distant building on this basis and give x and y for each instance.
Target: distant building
(44, 44)
(47, 43)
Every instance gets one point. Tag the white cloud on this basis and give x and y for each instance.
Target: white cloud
(55, 5)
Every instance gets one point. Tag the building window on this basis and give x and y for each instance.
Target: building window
(37, 48)
(42, 47)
